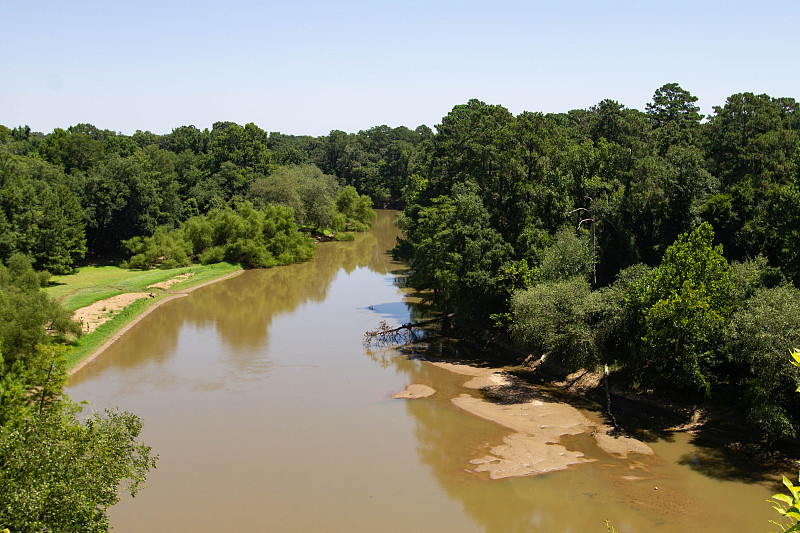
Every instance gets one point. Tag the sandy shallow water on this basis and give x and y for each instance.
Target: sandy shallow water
(538, 427)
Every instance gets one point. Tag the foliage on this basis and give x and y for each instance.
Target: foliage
(30, 384)
(304, 188)
(756, 338)
(245, 235)
(455, 254)
(553, 318)
(60, 474)
(357, 210)
(683, 306)
(791, 509)
(569, 255)
(789, 505)
(40, 215)
(165, 248)
(25, 311)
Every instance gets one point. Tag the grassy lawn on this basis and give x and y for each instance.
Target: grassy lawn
(91, 284)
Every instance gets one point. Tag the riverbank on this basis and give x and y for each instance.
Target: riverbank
(640, 415)
(539, 424)
(108, 301)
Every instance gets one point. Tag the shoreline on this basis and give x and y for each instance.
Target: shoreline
(172, 295)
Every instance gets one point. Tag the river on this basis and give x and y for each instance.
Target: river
(269, 414)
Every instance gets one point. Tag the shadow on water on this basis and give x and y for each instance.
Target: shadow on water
(709, 456)
(735, 462)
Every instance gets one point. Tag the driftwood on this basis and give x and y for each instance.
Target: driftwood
(386, 335)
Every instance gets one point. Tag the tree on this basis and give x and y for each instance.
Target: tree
(40, 215)
(456, 254)
(356, 209)
(25, 311)
(756, 339)
(674, 115)
(753, 149)
(74, 151)
(682, 306)
(304, 188)
(131, 196)
(58, 473)
(553, 317)
(569, 255)
(782, 234)
(468, 146)
(62, 475)
(244, 146)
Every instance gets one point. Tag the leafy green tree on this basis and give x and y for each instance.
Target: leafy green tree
(62, 475)
(58, 473)
(25, 311)
(782, 232)
(166, 248)
(252, 237)
(40, 215)
(569, 255)
(469, 145)
(244, 146)
(611, 121)
(128, 197)
(356, 209)
(74, 151)
(674, 114)
(455, 253)
(304, 188)
(59, 237)
(753, 150)
(186, 138)
(683, 306)
(554, 318)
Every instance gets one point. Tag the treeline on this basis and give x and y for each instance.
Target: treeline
(84, 190)
(654, 241)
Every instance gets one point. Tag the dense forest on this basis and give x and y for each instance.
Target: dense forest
(659, 242)
(655, 242)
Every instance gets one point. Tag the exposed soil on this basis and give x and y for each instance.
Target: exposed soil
(91, 318)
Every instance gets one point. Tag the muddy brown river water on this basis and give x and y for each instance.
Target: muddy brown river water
(268, 414)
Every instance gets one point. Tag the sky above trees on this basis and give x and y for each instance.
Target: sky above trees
(308, 67)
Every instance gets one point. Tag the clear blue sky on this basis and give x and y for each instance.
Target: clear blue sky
(307, 67)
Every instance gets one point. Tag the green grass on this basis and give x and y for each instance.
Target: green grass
(91, 284)
(87, 344)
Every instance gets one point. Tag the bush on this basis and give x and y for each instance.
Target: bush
(252, 237)
(553, 317)
(757, 337)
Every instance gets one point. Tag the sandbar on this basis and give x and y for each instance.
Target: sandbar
(538, 426)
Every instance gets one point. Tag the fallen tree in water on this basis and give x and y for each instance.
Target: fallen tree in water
(386, 335)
